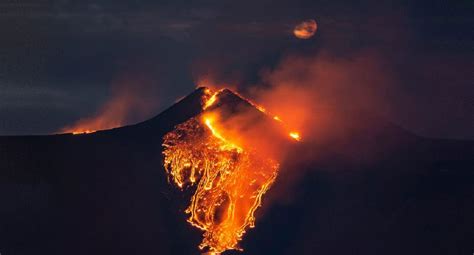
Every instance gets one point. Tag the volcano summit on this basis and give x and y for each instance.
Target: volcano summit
(217, 150)
(109, 192)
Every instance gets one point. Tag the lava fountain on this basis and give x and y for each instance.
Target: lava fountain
(230, 174)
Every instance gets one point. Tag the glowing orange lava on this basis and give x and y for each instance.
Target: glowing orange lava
(211, 101)
(295, 135)
(230, 179)
(80, 132)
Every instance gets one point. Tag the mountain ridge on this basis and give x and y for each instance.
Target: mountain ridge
(107, 192)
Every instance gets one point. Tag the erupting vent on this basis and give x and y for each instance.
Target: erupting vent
(230, 178)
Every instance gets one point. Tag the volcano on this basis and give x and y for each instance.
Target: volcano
(372, 189)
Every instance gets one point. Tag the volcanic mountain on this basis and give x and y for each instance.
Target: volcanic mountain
(370, 189)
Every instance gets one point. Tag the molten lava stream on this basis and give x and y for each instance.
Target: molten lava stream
(230, 179)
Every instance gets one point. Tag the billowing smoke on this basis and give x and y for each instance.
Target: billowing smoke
(337, 104)
(131, 100)
(307, 91)
(319, 94)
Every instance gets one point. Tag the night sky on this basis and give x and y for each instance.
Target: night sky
(61, 60)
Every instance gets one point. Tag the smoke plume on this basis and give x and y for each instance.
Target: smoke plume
(307, 91)
(131, 100)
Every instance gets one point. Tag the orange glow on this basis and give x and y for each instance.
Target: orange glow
(295, 135)
(83, 132)
(210, 97)
(123, 106)
(230, 181)
(208, 120)
(260, 108)
(230, 178)
(211, 101)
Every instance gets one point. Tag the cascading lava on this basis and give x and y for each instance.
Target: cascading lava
(230, 176)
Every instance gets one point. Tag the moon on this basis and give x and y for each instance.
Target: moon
(306, 29)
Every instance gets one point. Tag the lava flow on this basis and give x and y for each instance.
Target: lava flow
(230, 176)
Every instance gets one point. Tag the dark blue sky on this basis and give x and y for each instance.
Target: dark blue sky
(60, 59)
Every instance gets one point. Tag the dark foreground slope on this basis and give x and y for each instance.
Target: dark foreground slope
(370, 192)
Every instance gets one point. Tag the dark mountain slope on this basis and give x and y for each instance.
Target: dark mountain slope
(368, 190)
